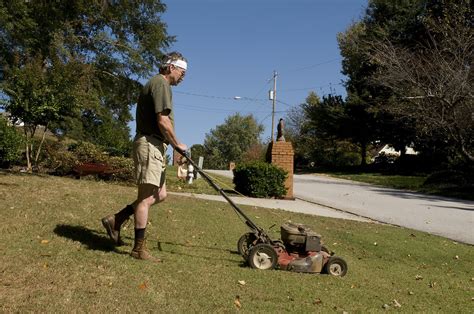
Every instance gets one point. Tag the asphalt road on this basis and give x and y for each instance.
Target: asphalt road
(450, 218)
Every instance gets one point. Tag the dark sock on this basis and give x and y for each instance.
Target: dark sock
(127, 211)
(123, 215)
(139, 233)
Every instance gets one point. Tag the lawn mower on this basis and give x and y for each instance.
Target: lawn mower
(300, 249)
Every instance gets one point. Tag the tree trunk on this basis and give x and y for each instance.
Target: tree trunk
(40, 145)
(27, 143)
(363, 154)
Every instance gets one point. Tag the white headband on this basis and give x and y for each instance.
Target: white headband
(179, 63)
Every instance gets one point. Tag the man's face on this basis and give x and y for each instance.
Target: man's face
(177, 75)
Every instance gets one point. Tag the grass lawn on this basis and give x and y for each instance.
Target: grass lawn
(56, 257)
(199, 186)
(413, 183)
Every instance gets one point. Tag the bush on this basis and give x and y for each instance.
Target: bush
(88, 152)
(260, 179)
(61, 159)
(124, 169)
(11, 144)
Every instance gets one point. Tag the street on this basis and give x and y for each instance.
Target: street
(450, 218)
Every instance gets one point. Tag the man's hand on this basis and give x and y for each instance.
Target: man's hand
(182, 148)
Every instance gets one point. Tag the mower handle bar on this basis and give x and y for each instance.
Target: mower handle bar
(248, 221)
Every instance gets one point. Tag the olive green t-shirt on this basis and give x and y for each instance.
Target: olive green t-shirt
(155, 97)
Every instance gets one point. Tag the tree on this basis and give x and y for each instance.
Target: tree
(368, 100)
(118, 42)
(197, 150)
(229, 141)
(434, 82)
(10, 143)
(324, 127)
(409, 64)
(39, 96)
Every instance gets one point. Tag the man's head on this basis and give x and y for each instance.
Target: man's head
(174, 67)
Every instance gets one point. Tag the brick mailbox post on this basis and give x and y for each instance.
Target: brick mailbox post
(281, 154)
(176, 158)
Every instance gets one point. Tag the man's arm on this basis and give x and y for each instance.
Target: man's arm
(166, 128)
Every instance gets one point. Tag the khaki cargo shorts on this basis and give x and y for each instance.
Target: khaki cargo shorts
(149, 160)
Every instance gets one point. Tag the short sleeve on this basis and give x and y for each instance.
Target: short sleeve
(161, 95)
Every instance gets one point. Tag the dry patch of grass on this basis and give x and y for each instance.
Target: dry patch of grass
(56, 257)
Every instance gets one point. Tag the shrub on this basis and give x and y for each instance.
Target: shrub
(260, 179)
(11, 144)
(88, 152)
(124, 169)
(59, 159)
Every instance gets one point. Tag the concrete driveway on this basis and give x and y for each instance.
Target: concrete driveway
(450, 218)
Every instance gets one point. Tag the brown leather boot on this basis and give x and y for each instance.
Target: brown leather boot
(109, 225)
(113, 223)
(141, 252)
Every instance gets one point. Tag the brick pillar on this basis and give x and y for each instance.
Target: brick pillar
(281, 154)
(176, 157)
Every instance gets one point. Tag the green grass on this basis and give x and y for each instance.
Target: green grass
(55, 257)
(393, 181)
(415, 183)
(199, 186)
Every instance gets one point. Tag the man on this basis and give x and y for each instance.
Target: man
(155, 131)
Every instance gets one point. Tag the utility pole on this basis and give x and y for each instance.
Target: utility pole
(273, 98)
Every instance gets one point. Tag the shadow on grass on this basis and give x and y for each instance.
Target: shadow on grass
(91, 238)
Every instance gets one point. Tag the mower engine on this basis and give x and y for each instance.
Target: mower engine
(303, 249)
(300, 249)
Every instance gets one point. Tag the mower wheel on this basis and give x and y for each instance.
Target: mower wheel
(263, 256)
(245, 243)
(336, 266)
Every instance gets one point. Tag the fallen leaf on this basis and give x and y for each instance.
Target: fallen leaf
(44, 241)
(317, 301)
(143, 286)
(353, 286)
(237, 302)
(396, 304)
(418, 277)
(385, 306)
(432, 284)
(242, 282)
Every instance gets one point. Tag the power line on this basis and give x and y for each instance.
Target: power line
(311, 66)
(309, 88)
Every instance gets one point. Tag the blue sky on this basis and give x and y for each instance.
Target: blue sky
(233, 47)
